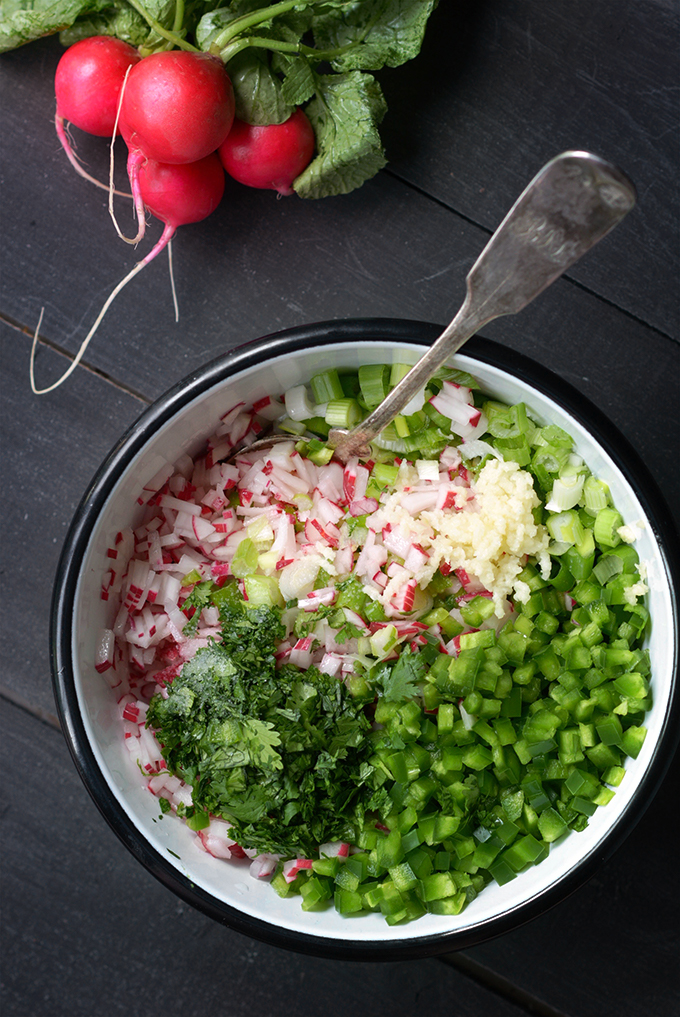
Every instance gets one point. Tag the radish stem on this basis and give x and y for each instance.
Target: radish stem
(172, 37)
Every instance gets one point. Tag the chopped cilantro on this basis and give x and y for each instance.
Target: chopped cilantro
(399, 680)
(282, 755)
(199, 598)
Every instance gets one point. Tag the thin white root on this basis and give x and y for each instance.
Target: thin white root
(172, 281)
(140, 213)
(33, 346)
(86, 341)
(75, 161)
(165, 239)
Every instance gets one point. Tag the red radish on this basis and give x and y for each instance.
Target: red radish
(177, 195)
(177, 106)
(271, 156)
(88, 81)
(87, 86)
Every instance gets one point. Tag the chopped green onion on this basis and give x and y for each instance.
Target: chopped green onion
(319, 453)
(595, 495)
(565, 527)
(374, 380)
(608, 566)
(263, 590)
(607, 522)
(567, 490)
(326, 386)
(343, 413)
(397, 372)
(244, 561)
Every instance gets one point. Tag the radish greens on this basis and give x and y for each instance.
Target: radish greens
(314, 54)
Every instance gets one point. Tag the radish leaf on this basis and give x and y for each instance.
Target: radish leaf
(345, 115)
(377, 35)
(258, 92)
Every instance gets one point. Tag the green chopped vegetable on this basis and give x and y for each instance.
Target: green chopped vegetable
(457, 751)
(280, 754)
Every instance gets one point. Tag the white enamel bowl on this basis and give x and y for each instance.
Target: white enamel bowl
(178, 423)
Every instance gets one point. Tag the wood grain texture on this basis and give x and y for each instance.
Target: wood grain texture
(87, 932)
(611, 949)
(257, 265)
(50, 451)
(504, 85)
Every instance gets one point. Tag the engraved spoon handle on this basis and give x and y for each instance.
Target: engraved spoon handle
(575, 200)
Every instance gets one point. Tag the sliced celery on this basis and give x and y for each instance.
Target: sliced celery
(374, 380)
(326, 386)
(343, 413)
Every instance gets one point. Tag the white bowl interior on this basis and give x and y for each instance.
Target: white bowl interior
(228, 881)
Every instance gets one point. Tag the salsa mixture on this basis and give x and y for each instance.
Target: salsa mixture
(388, 683)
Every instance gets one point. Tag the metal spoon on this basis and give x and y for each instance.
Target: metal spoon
(575, 200)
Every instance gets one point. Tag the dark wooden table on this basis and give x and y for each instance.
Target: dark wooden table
(501, 86)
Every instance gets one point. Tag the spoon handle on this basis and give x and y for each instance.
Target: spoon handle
(574, 201)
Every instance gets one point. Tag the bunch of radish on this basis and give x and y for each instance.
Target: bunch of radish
(175, 111)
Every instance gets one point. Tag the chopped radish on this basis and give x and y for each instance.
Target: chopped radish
(216, 840)
(334, 849)
(292, 868)
(263, 865)
(105, 650)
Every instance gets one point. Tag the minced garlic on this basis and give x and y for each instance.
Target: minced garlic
(489, 537)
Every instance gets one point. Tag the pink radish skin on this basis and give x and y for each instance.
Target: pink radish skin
(269, 157)
(177, 106)
(88, 81)
(177, 195)
(87, 87)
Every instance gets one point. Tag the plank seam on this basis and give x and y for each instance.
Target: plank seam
(500, 986)
(90, 368)
(567, 278)
(38, 712)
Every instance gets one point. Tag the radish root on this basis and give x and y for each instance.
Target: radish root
(62, 134)
(172, 281)
(136, 196)
(165, 239)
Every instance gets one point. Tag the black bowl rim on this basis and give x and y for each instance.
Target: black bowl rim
(377, 330)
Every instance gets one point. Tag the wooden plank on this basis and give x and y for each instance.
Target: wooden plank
(256, 265)
(89, 933)
(503, 86)
(368, 259)
(259, 264)
(628, 370)
(521, 82)
(51, 449)
(46, 442)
